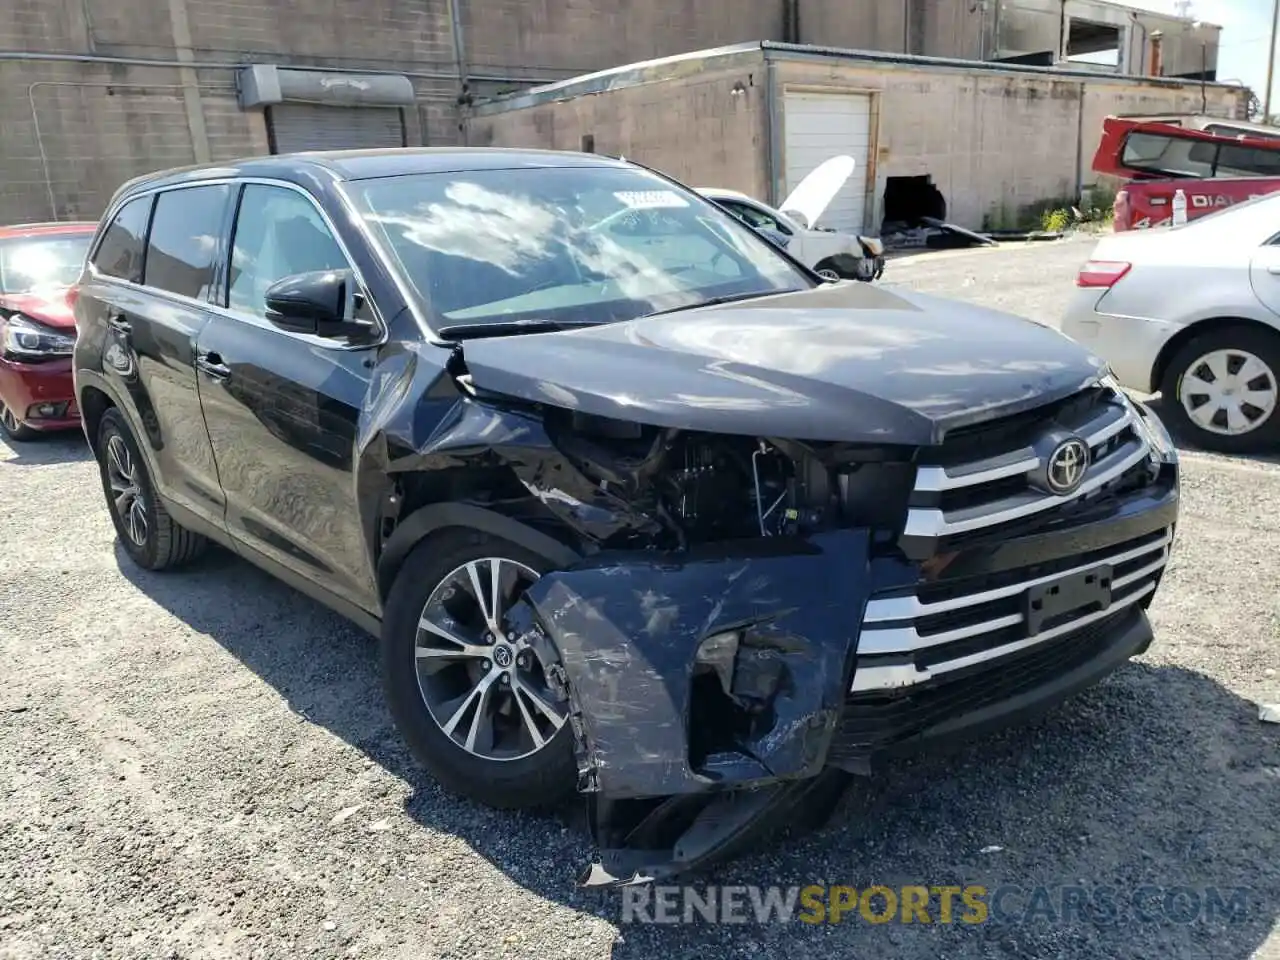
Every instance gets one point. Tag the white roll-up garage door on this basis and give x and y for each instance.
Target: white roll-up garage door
(308, 126)
(820, 126)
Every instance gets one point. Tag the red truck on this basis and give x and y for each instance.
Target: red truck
(1214, 162)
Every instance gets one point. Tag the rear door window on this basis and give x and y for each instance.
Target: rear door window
(119, 254)
(182, 248)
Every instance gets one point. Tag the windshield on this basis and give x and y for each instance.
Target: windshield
(564, 245)
(31, 264)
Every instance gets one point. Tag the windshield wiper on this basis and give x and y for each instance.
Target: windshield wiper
(506, 328)
(716, 301)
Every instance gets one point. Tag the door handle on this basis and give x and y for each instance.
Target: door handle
(118, 323)
(213, 366)
(1274, 268)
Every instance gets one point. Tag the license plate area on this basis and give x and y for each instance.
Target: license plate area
(1069, 598)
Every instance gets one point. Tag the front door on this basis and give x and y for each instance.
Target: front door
(282, 409)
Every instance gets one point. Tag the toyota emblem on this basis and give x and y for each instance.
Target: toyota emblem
(1067, 466)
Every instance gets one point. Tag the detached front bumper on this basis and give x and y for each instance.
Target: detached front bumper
(718, 697)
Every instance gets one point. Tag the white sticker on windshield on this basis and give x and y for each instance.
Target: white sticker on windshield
(651, 199)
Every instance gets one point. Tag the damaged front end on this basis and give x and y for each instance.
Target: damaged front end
(734, 624)
(702, 640)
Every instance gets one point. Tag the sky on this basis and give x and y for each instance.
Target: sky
(1246, 28)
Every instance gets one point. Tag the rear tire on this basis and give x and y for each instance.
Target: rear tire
(433, 585)
(152, 539)
(12, 429)
(1221, 390)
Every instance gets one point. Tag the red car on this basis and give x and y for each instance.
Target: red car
(38, 264)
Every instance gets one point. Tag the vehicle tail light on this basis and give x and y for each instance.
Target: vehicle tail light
(1101, 273)
(1122, 213)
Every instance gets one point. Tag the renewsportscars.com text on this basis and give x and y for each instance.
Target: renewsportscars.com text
(937, 904)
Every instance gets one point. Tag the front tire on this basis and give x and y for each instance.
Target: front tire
(152, 539)
(1222, 392)
(12, 429)
(469, 699)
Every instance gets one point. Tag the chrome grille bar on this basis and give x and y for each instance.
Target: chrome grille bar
(932, 522)
(889, 609)
(895, 676)
(1114, 419)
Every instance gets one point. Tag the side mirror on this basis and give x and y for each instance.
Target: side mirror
(322, 303)
(801, 220)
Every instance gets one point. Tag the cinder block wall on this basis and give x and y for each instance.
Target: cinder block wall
(695, 128)
(555, 39)
(71, 132)
(936, 28)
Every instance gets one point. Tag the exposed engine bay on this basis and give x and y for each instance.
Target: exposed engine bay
(705, 488)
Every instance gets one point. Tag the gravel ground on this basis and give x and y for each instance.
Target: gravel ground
(200, 765)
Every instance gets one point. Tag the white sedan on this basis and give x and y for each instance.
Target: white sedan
(1193, 312)
(830, 253)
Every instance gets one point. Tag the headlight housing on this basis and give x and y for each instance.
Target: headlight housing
(1156, 434)
(23, 337)
(1147, 423)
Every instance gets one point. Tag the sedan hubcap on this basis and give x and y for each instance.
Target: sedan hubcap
(126, 495)
(485, 689)
(1228, 392)
(8, 418)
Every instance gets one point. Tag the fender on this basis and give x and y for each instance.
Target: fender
(122, 401)
(426, 520)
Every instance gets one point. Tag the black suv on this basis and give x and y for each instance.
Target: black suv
(637, 504)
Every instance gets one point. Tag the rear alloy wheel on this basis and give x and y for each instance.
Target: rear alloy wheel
(1222, 389)
(471, 698)
(11, 428)
(152, 538)
(126, 494)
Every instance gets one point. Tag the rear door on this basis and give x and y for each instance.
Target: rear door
(282, 408)
(145, 302)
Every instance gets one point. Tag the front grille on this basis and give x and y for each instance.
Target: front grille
(937, 630)
(989, 479)
(874, 721)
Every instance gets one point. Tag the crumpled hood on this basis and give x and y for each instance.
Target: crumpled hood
(847, 362)
(50, 307)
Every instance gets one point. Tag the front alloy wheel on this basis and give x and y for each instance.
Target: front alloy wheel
(468, 694)
(485, 689)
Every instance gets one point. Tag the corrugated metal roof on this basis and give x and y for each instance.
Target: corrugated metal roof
(720, 58)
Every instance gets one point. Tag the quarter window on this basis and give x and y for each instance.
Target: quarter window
(120, 252)
(183, 246)
(278, 233)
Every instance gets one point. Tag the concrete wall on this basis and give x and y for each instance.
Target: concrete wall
(694, 128)
(994, 143)
(560, 38)
(71, 132)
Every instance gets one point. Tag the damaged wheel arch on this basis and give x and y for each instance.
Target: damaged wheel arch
(437, 517)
